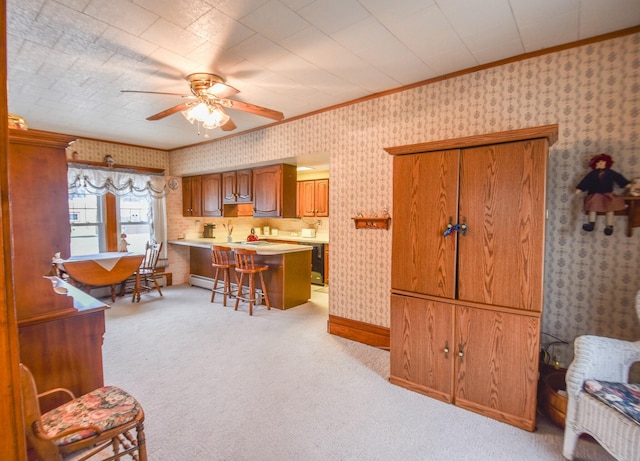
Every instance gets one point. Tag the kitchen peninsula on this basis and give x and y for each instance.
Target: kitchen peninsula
(288, 279)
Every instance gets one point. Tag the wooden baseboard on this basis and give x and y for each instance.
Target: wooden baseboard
(361, 332)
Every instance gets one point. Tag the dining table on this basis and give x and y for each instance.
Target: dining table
(101, 269)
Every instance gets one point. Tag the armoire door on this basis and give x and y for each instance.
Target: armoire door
(502, 200)
(497, 364)
(425, 201)
(422, 350)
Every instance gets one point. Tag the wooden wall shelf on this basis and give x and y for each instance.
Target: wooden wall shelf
(372, 223)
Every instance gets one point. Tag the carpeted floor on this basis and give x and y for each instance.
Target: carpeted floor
(217, 384)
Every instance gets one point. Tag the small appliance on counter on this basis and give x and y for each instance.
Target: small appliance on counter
(308, 233)
(208, 231)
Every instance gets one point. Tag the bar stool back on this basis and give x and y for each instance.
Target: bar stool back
(245, 265)
(222, 261)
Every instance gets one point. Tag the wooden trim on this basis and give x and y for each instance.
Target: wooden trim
(361, 332)
(550, 132)
(40, 138)
(115, 166)
(521, 57)
(112, 233)
(12, 440)
(459, 302)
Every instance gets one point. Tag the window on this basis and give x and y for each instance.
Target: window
(135, 221)
(87, 224)
(89, 231)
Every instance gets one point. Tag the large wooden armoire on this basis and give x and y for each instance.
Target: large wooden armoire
(467, 270)
(60, 335)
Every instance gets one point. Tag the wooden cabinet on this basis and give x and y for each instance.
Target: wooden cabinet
(467, 270)
(212, 195)
(237, 186)
(313, 198)
(60, 336)
(274, 191)
(192, 196)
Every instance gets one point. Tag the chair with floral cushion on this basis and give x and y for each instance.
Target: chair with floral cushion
(601, 401)
(103, 418)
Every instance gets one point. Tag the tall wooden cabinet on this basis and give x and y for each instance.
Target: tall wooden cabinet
(274, 191)
(60, 336)
(467, 270)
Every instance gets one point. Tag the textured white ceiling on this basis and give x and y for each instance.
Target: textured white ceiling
(68, 60)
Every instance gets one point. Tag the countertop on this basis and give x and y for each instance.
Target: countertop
(270, 249)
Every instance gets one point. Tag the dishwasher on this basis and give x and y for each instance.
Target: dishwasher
(317, 264)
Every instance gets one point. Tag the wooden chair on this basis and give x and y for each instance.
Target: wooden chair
(98, 420)
(222, 261)
(146, 277)
(245, 265)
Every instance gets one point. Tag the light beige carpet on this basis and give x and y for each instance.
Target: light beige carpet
(217, 384)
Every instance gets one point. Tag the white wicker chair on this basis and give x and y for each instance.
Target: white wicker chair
(604, 359)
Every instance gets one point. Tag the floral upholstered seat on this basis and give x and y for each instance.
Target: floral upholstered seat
(104, 422)
(104, 408)
(622, 396)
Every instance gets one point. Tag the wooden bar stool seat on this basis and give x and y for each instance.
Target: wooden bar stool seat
(222, 261)
(245, 265)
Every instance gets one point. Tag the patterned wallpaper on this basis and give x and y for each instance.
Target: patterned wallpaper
(592, 92)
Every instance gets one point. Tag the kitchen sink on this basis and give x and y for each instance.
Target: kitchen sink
(258, 242)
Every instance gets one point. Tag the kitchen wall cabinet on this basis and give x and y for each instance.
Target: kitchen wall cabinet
(467, 270)
(60, 337)
(192, 196)
(274, 191)
(237, 186)
(313, 198)
(212, 195)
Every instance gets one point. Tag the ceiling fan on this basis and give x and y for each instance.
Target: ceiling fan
(209, 101)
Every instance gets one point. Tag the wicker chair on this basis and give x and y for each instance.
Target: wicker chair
(599, 370)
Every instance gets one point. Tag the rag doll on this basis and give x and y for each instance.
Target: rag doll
(122, 246)
(598, 185)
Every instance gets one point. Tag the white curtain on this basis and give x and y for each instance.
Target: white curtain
(120, 182)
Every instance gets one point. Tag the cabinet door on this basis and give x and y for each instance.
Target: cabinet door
(422, 350)
(497, 373)
(211, 195)
(425, 200)
(229, 187)
(192, 196)
(321, 193)
(299, 199)
(266, 191)
(308, 199)
(244, 186)
(502, 200)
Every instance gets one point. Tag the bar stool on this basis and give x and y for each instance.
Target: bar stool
(222, 262)
(245, 265)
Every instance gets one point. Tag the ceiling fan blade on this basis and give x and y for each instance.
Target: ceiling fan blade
(171, 111)
(159, 92)
(229, 126)
(251, 108)
(222, 90)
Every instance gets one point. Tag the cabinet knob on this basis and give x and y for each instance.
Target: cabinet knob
(446, 349)
(460, 351)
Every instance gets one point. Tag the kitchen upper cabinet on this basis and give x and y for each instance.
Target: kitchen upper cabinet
(212, 195)
(313, 198)
(237, 186)
(467, 270)
(274, 191)
(192, 196)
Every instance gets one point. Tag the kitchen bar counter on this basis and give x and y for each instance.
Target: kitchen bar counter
(288, 279)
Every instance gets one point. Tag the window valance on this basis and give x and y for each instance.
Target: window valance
(118, 182)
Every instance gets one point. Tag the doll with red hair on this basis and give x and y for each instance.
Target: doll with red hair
(598, 185)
